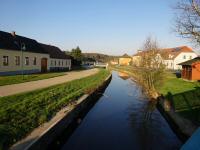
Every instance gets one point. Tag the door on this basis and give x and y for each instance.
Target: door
(44, 65)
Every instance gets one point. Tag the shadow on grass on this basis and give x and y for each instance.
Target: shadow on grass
(187, 104)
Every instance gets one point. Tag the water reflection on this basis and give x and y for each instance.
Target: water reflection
(124, 119)
(123, 75)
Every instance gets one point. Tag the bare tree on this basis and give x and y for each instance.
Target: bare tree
(150, 71)
(187, 22)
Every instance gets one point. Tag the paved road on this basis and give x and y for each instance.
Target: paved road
(34, 85)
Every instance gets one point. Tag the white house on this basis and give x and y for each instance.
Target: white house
(24, 55)
(174, 56)
(171, 57)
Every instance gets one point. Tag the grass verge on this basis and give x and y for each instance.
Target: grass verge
(20, 114)
(14, 79)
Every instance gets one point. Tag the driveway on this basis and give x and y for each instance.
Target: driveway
(34, 85)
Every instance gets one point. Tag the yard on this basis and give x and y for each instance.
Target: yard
(184, 95)
(14, 79)
(20, 114)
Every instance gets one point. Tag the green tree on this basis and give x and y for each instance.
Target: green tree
(76, 53)
(77, 56)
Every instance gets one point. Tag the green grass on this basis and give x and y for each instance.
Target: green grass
(176, 85)
(184, 96)
(20, 114)
(6, 80)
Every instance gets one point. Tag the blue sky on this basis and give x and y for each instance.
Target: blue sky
(106, 26)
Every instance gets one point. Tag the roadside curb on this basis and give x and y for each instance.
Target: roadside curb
(48, 132)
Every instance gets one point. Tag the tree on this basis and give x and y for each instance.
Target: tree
(187, 22)
(76, 53)
(151, 69)
(77, 56)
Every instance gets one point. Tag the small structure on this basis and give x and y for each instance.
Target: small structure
(125, 60)
(191, 69)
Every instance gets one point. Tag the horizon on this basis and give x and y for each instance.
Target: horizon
(107, 26)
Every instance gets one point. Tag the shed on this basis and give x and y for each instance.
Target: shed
(191, 69)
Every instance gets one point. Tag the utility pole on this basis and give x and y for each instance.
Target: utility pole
(23, 48)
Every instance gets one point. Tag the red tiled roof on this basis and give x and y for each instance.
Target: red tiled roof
(170, 53)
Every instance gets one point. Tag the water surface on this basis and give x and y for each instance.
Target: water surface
(123, 119)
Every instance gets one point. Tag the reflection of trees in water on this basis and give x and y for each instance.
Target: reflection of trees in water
(143, 124)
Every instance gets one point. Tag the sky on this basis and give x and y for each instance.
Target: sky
(111, 27)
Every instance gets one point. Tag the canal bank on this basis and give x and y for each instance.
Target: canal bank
(123, 118)
(183, 127)
(42, 136)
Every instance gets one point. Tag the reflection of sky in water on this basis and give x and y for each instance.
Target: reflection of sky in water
(122, 120)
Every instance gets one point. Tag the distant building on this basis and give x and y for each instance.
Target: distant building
(171, 57)
(174, 56)
(88, 61)
(20, 54)
(115, 61)
(191, 69)
(125, 60)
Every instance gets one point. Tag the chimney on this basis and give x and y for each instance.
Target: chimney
(13, 33)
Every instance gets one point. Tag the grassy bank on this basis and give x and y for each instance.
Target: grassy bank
(184, 96)
(6, 80)
(20, 114)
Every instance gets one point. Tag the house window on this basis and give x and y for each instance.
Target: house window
(66, 63)
(59, 63)
(55, 62)
(171, 64)
(184, 57)
(190, 57)
(52, 63)
(34, 61)
(5, 60)
(17, 60)
(26, 61)
(62, 63)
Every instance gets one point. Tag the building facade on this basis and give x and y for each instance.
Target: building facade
(125, 60)
(21, 55)
(171, 57)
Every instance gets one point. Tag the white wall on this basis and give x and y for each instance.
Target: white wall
(64, 63)
(180, 59)
(13, 67)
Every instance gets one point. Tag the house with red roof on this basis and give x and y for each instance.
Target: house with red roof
(171, 57)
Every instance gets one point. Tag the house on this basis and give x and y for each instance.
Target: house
(115, 61)
(171, 57)
(59, 61)
(125, 60)
(88, 61)
(21, 55)
(191, 69)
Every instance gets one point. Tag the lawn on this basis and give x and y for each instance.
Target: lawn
(20, 114)
(176, 85)
(184, 96)
(6, 80)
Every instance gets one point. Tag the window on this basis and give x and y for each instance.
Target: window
(190, 57)
(171, 64)
(184, 57)
(17, 60)
(66, 63)
(62, 63)
(5, 60)
(59, 63)
(55, 62)
(27, 61)
(34, 61)
(52, 63)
